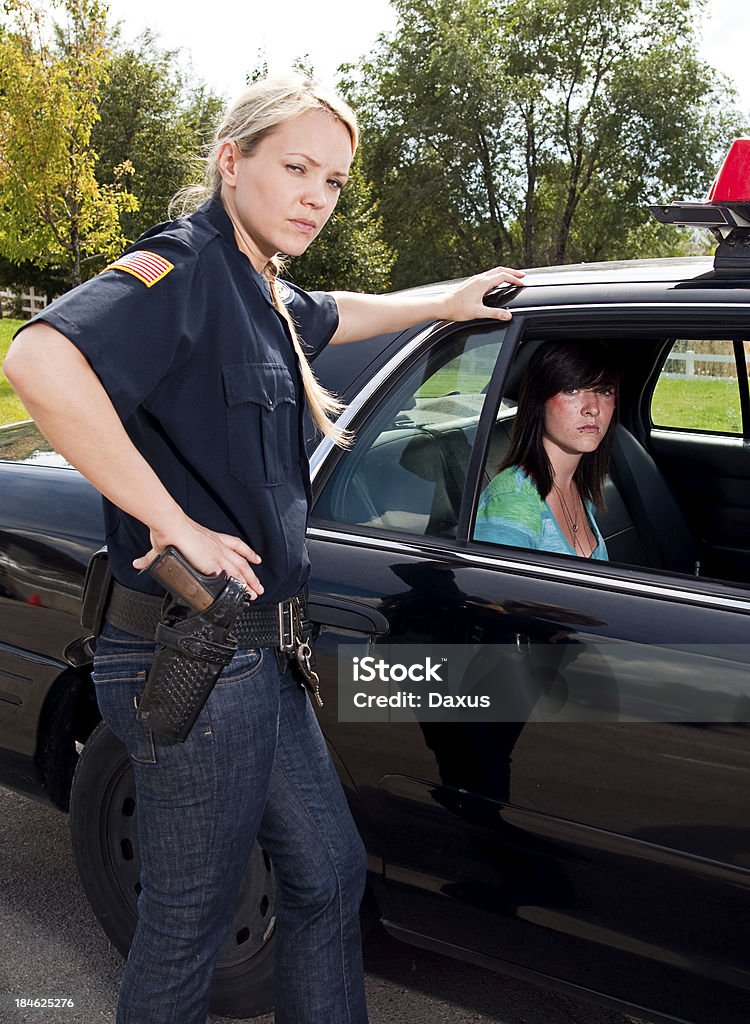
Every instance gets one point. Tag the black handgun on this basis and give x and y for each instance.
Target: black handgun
(184, 582)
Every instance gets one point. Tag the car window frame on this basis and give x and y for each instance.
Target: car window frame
(656, 320)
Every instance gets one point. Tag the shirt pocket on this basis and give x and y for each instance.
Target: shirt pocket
(261, 422)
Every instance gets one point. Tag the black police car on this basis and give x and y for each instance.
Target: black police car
(596, 838)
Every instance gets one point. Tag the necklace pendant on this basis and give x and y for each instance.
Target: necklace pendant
(575, 527)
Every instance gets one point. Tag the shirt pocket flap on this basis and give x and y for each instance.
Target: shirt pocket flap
(264, 384)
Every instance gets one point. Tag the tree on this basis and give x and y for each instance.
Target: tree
(154, 119)
(53, 211)
(535, 131)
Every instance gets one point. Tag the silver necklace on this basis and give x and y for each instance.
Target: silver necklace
(572, 521)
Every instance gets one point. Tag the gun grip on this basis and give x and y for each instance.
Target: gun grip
(195, 589)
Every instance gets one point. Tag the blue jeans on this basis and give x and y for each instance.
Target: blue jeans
(254, 765)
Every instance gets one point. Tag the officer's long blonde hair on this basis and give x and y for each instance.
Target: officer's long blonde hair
(268, 103)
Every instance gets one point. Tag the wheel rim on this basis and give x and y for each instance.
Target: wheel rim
(254, 918)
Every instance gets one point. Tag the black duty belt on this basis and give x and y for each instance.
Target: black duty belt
(193, 645)
(257, 625)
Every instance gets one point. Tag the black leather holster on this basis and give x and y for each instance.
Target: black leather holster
(193, 649)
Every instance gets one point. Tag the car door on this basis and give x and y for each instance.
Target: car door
(597, 829)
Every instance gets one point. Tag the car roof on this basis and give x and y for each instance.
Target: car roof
(681, 268)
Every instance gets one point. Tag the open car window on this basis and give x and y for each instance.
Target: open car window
(675, 500)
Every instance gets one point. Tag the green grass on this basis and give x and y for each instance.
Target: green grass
(11, 409)
(698, 404)
(449, 381)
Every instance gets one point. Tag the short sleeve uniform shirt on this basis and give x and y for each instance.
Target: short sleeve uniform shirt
(183, 334)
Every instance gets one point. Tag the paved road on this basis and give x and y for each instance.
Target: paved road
(51, 946)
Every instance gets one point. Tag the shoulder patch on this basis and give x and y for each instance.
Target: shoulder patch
(148, 267)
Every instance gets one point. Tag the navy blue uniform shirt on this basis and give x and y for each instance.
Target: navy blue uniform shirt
(201, 370)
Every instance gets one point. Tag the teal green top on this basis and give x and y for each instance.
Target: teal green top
(512, 512)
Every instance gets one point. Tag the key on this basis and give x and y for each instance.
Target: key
(312, 679)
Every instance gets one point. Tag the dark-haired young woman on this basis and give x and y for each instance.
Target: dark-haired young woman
(550, 482)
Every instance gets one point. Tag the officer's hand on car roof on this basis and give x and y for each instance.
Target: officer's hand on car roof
(483, 295)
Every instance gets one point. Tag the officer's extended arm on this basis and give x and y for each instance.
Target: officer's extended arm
(362, 316)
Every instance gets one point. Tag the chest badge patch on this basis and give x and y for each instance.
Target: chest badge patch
(148, 267)
(284, 292)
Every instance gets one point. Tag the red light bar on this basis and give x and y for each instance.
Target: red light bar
(732, 183)
(725, 212)
(728, 203)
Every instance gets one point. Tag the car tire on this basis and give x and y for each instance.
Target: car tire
(105, 848)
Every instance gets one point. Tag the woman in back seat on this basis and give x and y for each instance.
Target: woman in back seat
(550, 482)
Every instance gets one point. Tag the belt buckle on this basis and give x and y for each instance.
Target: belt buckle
(287, 626)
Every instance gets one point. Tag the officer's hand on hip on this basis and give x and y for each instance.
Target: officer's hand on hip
(209, 552)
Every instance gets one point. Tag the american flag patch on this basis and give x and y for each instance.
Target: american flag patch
(148, 267)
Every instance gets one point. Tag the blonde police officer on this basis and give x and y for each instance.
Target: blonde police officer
(175, 381)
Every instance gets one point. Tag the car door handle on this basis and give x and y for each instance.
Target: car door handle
(337, 612)
(523, 643)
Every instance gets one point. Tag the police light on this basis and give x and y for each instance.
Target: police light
(728, 203)
(732, 183)
(725, 211)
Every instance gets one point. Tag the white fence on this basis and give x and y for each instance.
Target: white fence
(31, 301)
(690, 358)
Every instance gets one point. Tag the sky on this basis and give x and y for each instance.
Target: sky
(221, 40)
